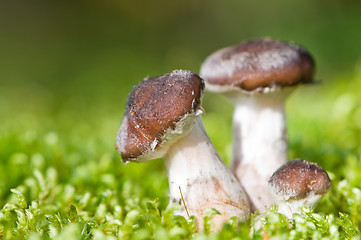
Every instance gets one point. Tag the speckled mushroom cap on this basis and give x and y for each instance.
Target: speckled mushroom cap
(298, 178)
(159, 111)
(257, 64)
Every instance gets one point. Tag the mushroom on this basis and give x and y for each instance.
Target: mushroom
(298, 184)
(257, 76)
(163, 119)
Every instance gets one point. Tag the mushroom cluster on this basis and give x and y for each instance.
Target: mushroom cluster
(163, 120)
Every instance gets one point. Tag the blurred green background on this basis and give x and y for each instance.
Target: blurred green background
(78, 50)
(66, 68)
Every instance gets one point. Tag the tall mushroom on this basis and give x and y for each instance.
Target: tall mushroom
(162, 119)
(257, 76)
(298, 184)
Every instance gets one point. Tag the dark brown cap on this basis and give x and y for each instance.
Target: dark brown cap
(159, 110)
(257, 64)
(298, 178)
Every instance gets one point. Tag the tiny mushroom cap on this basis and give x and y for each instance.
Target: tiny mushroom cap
(158, 112)
(299, 179)
(257, 65)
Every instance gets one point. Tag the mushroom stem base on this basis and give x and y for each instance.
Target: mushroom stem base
(194, 166)
(290, 207)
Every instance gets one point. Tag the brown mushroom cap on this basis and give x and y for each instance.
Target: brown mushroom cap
(157, 106)
(298, 178)
(258, 64)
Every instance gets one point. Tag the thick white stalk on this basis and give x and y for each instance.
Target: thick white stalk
(194, 166)
(259, 145)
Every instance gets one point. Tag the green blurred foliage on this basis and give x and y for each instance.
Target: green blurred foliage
(110, 45)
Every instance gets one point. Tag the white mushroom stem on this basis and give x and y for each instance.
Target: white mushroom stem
(194, 166)
(288, 207)
(259, 143)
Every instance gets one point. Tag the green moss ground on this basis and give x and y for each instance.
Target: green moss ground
(61, 177)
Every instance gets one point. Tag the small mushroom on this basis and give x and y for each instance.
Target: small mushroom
(257, 76)
(162, 119)
(298, 184)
